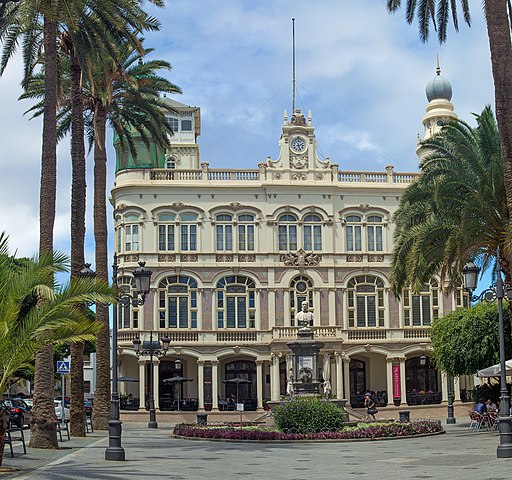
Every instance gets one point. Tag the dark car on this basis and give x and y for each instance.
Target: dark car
(19, 411)
(4, 412)
(88, 408)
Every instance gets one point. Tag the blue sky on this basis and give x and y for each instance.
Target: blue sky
(361, 71)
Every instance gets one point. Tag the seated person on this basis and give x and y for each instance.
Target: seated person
(479, 406)
(490, 406)
(232, 400)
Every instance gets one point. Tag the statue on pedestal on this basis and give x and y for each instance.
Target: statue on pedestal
(289, 375)
(304, 318)
(326, 373)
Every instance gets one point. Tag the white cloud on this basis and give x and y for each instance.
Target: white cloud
(360, 70)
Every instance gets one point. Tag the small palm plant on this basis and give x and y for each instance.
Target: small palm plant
(36, 311)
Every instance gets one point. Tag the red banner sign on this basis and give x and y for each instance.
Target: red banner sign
(397, 391)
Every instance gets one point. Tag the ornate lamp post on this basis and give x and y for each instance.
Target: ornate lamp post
(497, 291)
(153, 348)
(142, 276)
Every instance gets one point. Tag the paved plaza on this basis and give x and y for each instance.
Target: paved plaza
(458, 454)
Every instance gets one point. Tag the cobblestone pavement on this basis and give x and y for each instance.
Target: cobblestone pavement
(459, 454)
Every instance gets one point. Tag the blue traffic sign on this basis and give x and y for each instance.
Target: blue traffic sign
(62, 367)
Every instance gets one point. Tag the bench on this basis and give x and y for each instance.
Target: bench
(63, 426)
(15, 435)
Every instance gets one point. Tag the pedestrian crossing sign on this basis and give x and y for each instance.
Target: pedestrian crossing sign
(62, 367)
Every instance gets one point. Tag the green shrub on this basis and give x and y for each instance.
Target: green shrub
(308, 415)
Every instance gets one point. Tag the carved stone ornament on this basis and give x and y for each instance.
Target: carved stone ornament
(375, 258)
(188, 257)
(354, 258)
(224, 257)
(298, 161)
(301, 259)
(131, 258)
(247, 258)
(299, 176)
(166, 257)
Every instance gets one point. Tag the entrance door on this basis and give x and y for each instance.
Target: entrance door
(357, 373)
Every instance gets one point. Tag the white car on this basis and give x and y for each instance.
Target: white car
(58, 410)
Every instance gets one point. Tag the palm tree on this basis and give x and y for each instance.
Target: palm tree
(128, 98)
(455, 210)
(23, 20)
(497, 15)
(35, 312)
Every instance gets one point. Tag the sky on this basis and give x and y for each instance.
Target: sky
(360, 70)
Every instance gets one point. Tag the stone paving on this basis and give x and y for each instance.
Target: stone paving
(458, 454)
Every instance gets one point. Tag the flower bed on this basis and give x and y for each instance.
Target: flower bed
(369, 431)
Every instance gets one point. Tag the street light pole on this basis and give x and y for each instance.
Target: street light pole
(151, 349)
(142, 277)
(470, 272)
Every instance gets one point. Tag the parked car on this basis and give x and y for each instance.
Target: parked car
(4, 411)
(58, 409)
(88, 408)
(19, 411)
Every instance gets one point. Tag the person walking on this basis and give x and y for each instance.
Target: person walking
(369, 404)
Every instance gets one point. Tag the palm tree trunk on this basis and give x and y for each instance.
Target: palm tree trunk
(498, 30)
(43, 424)
(101, 412)
(78, 201)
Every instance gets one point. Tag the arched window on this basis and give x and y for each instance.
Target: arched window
(170, 162)
(301, 290)
(365, 301)
(177, 302)
(420, 308)
(353, 233)
(287, 232)
(246, 232)
(127, 316)
(374, 233)
(224, 232)
(131, 233)
(461, 297)
(166, 231)
(188, 232)
(312, 233)
(236, 302)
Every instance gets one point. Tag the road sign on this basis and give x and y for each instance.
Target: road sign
(62, 367)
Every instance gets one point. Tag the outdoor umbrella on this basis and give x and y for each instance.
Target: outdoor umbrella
(237, 381)
(495, 370)
(177, 380)
(127, 379)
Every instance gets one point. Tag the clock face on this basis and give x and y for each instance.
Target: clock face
(298, 145)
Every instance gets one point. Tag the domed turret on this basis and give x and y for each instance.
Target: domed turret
(438, 87)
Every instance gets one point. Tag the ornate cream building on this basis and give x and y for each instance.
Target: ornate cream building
(234, 252)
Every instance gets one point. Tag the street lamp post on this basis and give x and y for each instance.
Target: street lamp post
(153, 348)
(142, 276)
(498, 291)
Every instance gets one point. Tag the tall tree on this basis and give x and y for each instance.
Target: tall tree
(36, 312)
(22, 20)
(128, 97)
(497, 17)
(455, 210)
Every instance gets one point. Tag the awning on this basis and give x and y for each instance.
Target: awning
(495, 370)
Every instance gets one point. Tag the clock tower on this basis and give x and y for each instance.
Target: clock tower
(298, 159)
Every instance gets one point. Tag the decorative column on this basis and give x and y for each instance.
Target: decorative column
(456, 389)
(274, 377)
(389, 379)
(200, 384)
(346, 378)
(215, 385)
(339, 375)
(332, 307)
(403, 386)
(444, 387)
(271, 307)
(259, 383)
(156, 383)
(142, 384)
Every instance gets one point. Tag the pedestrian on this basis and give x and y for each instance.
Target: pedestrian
(369, 404)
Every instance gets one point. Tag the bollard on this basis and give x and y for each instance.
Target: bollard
(405, 416)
